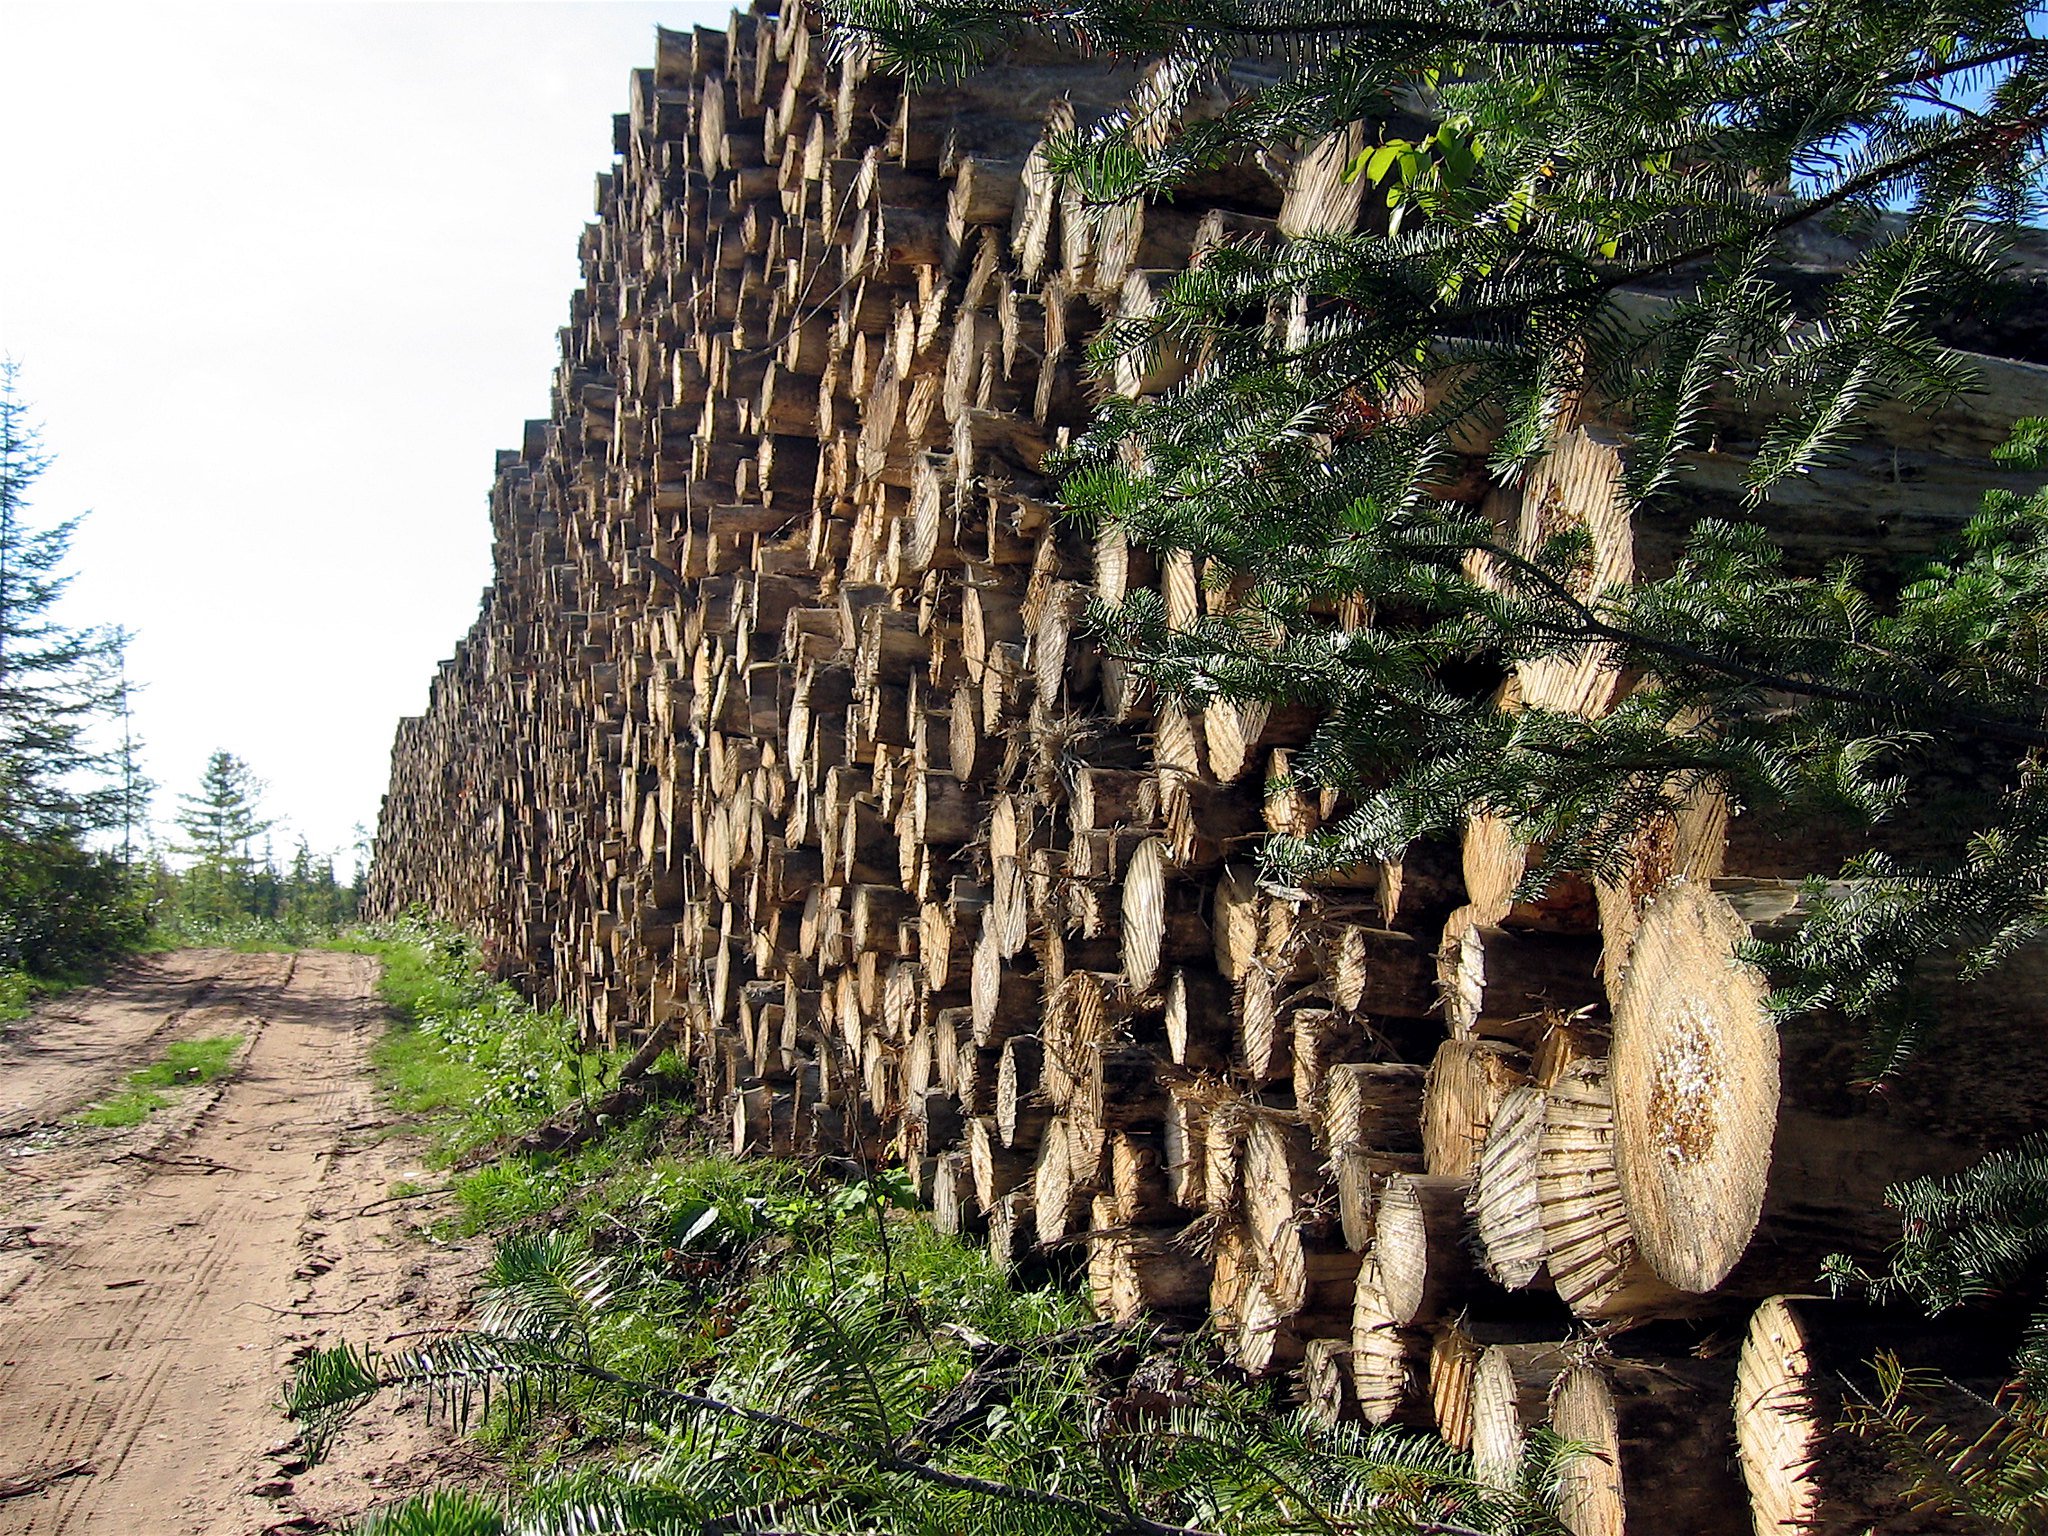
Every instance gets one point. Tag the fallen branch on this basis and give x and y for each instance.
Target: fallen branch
(1117, 1521)
(417, 1194)
(421, 1370)
(586, 1118)
(997, 1365)
(36, 1482)
(265, 1306)
(206, 1164)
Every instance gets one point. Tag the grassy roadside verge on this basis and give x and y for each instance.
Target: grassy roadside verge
(469, 1062)
(20, 992)
(666, 1339)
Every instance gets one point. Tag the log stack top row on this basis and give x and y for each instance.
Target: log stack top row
(780, 730)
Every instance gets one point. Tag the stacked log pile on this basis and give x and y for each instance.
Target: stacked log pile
(780, 733)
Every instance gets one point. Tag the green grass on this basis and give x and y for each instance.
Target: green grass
(423, 1078)
(642, 1265)
(20, 992)
(189, 1061)
(131, 1106)
(183, 1064)
(470, 1062)
(467, 1058)
(708, 1256)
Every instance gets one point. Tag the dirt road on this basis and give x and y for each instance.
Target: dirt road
(155, 1282)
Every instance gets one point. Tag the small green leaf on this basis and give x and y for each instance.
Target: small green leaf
(1520, 202)
(1456, 151)
(1378, 162)
(894, 1186)
(706, 1220)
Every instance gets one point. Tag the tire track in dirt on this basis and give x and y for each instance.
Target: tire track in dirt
(57, 1062)
(167, 1274)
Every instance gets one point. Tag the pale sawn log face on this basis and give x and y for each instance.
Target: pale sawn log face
(1695, 1083)
(779, 737)
(1800, 1359)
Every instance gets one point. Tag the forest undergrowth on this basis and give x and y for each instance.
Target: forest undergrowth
(667, 1339)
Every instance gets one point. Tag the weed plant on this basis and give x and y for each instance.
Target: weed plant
(131, 1106)
(671, 1340)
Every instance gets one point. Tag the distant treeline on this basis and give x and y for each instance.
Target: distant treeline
(81, 880)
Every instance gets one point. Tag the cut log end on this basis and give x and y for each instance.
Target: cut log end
(1695, 1079)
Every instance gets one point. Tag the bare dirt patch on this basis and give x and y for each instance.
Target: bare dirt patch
(156, 1282)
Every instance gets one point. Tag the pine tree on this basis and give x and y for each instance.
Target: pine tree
(1569, 210)
(133, 786)
(57, 681)
(221, 824)
(63, 907)
(309, 896)
(1975, 1236)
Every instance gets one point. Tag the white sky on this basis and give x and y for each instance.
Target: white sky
(280, 278)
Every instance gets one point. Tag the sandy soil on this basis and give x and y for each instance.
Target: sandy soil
(156, 1282)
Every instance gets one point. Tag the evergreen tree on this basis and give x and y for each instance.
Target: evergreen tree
(133, 786)
(1578, 210)
(309, 895)
(232, 874)
(1981, 1234)
(56, 681)
(222, 823)
(363, 849)
(62, 906)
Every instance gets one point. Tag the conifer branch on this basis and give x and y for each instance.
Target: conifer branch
(1117, 1522)
(1591, 627)
(1810, 209)
(2024, 50)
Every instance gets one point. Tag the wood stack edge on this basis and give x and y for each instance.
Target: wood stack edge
(780, 728)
